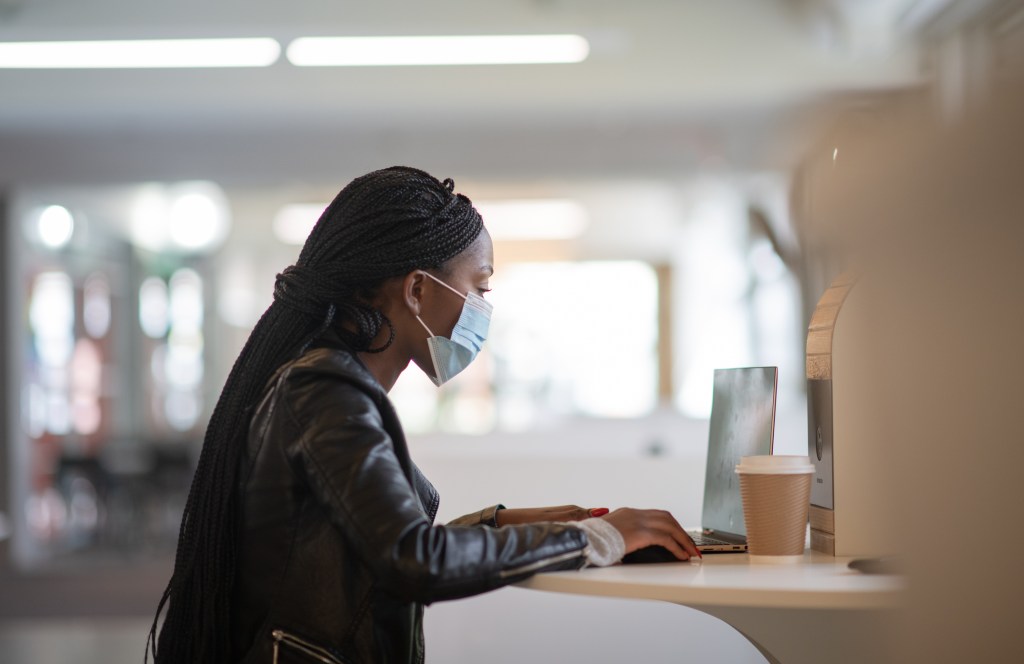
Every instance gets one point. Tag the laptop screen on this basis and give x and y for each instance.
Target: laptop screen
(742, 424)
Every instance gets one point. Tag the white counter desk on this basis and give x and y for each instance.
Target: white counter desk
(815, 611)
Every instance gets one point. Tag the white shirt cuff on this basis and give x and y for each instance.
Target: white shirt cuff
(605, 545)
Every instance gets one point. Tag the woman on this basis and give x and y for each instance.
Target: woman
(308, 532)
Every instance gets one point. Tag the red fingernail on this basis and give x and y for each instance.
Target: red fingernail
(599, 511)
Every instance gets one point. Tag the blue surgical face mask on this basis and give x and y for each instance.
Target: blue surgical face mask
(450, 356)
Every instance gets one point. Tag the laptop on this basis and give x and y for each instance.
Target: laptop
(742, 424)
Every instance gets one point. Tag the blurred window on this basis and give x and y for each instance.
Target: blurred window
(566, 338)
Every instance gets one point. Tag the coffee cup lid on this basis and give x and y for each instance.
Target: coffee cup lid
(775, 464)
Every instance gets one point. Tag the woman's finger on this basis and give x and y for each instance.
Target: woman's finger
(666, 532)
(687, 543)
(683, 537)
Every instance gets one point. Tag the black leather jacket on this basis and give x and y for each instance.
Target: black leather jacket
(338, 551)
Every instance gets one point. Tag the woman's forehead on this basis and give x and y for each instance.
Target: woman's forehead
(478, 256)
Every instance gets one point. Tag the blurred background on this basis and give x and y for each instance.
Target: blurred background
(651, 185)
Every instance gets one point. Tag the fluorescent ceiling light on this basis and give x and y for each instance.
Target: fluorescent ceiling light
(140, 54)
(534, 219)
(437, 50)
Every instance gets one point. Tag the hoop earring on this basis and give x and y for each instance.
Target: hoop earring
(391, 335)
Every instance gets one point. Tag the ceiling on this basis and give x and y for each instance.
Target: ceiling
(669, 87)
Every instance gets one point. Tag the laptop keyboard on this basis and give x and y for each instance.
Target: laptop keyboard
(699, 539)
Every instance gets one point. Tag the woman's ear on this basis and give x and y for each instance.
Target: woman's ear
(412, 291)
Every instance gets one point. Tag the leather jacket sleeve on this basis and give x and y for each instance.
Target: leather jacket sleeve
(349, 461)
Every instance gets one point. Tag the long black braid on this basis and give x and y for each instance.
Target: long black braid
(381, 225)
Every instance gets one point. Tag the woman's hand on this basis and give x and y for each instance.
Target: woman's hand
(506, 517)
(641, 528)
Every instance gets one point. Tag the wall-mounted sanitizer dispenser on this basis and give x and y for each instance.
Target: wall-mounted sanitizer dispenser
(848, 512)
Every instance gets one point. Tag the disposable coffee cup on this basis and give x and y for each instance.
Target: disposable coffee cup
(776, 491)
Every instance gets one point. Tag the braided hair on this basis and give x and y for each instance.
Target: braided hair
(381, 225)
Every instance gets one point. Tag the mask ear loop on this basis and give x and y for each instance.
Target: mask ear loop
(436, 378)
(417, 316)
(464, 297)
(425, 326)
